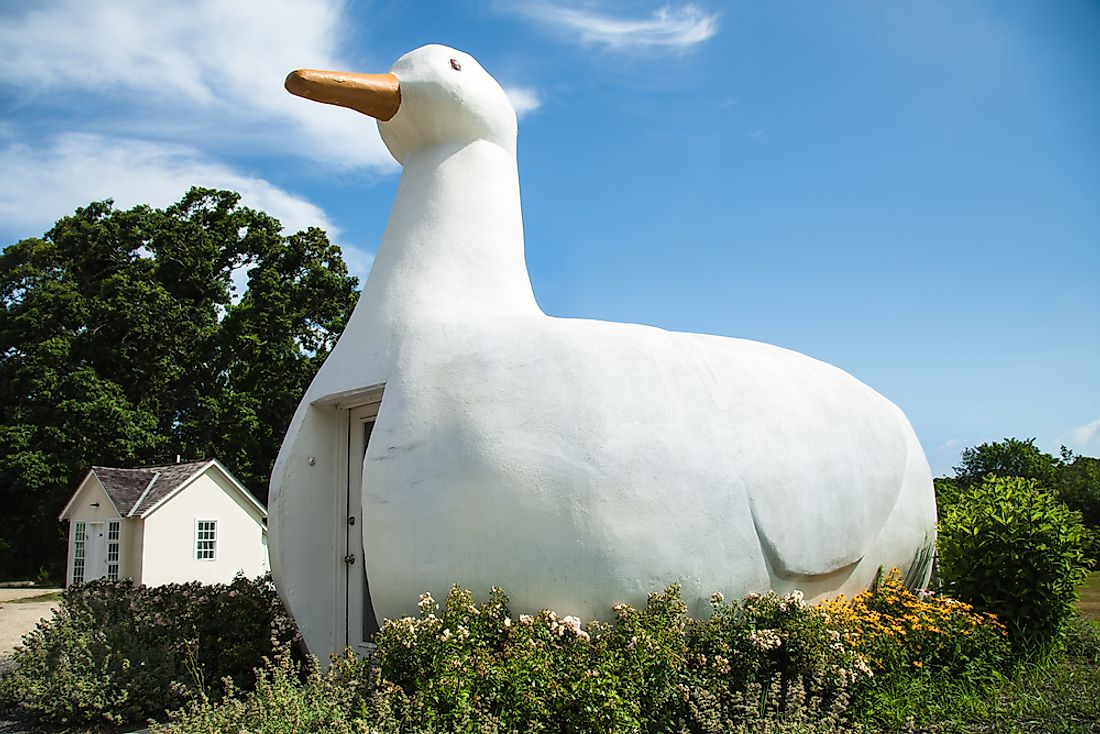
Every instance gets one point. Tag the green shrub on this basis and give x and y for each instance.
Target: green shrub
(948, 492)
(767, 664)
(113, 653)
(653, 669)
(472, 666)
(285, 702)
(1011, 549)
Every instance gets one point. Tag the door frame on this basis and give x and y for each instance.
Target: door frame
(352, 603)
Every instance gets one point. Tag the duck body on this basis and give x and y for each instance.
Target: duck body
(575, 463)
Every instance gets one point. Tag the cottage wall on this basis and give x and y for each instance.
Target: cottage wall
(90, 505)
(132, 541)
(168, 552)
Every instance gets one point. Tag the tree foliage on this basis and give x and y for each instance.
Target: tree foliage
(1009, 458)
(1079, 485)
(1072, 479)
(125, 343)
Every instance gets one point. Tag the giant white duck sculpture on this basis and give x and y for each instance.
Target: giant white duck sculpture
(574, 463)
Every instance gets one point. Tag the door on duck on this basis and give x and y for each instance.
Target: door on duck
(360, 620)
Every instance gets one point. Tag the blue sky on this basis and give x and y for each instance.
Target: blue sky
(909, 190)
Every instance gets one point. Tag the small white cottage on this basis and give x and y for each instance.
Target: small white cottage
(164, 524)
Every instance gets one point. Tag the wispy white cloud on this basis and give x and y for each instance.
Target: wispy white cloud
(757, 136)
(44, 182)
(203, 61)
(525, 100)
(669, 27)
(1087, 436)
(48, 181)
(950, 445)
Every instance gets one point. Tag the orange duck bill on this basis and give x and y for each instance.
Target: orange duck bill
(377, 95)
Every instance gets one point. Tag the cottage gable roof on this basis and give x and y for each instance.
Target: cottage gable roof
(136, 490)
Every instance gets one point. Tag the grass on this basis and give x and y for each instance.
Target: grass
(1062, 697)
(1089, 604)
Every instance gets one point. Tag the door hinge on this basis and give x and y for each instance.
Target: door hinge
(350, 559)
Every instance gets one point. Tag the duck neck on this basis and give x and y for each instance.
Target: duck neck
(453, 247)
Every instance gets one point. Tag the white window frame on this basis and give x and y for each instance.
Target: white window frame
(80, 539)
(200, 551)
(114, 548)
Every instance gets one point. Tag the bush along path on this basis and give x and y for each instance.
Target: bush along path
(115, 654)
(1003, 652)
(888, 660)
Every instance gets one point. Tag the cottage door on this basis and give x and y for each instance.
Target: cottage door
(95, 551)
(361, 623)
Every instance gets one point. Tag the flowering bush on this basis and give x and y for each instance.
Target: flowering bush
(901, 632)
(768, 662)
(473, 663)
(116, 653)
(653, 669)
(778, 646)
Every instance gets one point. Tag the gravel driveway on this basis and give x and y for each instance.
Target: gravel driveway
(19, 618)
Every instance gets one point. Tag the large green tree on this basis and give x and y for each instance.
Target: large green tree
(1008, 458)
(124, 343)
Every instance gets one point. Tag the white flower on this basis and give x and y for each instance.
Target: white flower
(862, 666)
(765, 639)
(426, 603)
(794, 599)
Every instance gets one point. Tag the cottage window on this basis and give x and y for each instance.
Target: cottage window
(206, 539)
(79, 538)
(113, 528)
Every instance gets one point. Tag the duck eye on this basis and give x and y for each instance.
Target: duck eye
(455, 65)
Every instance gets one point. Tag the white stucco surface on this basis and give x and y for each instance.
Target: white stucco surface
(169, 538)
(575, 463)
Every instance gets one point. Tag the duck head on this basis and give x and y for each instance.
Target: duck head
(431, 96)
